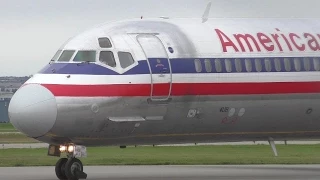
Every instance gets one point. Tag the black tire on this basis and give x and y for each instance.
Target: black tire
(72, 166)
(60, 166)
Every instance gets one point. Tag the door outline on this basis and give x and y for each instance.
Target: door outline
(152, 97)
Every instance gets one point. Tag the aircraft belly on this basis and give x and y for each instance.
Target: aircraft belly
(190, 119)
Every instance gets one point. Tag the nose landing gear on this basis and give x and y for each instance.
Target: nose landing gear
(60, 168)
(69, 168)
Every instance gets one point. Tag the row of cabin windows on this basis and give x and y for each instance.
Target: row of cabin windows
(259, 65)
(105, 57)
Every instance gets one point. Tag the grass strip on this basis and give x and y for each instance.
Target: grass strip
(7, 127)
(189, 155)
(11, 138)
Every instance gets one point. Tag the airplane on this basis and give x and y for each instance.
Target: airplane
(174, 80)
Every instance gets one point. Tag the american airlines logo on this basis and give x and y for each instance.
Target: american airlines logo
(277, 41)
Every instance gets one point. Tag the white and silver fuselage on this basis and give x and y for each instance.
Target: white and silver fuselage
(177, 81)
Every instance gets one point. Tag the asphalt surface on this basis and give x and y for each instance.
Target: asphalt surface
(45, 145)
(24, 146)
(265, 172)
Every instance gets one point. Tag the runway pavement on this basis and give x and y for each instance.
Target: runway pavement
(24, 146)
(45, 145)
(260, 172)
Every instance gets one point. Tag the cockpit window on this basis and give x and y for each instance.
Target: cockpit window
(125, 59)
(104, 43)
(85, 56)
(107, 58)
(55, 57)
(66, 55)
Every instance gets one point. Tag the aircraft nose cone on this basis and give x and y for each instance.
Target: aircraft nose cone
(33, 110)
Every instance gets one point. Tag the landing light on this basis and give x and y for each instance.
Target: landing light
(63, 148)
(70, 149)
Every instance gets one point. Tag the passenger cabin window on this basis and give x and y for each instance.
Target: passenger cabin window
(297, 64)
(287, 64)
(248, 65)
(277, 64)
(267, 64)
(238, 65)
(228, 65)
(316, 63)
(197, 64)
(107, 58)
(258, 65)
(125, 59)
(306, 64)
(217, 64)
(208, 65)
(85, 56)
(66, 55)
(56, 56)
(105, 43)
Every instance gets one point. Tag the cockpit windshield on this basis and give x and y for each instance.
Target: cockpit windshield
(104, 43)
(55, 57)
(106, 57)
(66, 55)
(125, 59)
(85, 56)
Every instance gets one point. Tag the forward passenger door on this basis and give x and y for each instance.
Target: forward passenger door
(159, 65)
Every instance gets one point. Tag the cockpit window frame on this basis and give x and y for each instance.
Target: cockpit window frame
(57, 55)
(71, 58)
(95, 59)
(118, 67)
(128, 53)
(109, 40)
(116, 60)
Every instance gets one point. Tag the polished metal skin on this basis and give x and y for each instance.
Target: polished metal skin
(33, 110)
(50, 113)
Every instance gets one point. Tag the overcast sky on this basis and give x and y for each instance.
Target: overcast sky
(32, 31)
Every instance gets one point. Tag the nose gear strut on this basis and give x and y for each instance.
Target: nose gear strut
(69, 168)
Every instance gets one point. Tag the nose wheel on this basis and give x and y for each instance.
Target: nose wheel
(70, 169)
(60, 166)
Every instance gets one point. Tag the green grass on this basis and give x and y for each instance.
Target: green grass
(11, 138)
(200, 155)
(7, 127)
(146, 155)
(9, 135)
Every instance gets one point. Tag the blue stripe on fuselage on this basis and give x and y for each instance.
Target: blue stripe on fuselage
(177, 66)
(91, 69)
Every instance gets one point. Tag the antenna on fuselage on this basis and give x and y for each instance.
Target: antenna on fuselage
(205, 15)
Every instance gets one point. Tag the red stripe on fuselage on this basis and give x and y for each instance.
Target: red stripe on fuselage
(184, 89)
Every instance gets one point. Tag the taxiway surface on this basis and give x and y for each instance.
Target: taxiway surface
(252, 172)
(45, 145)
